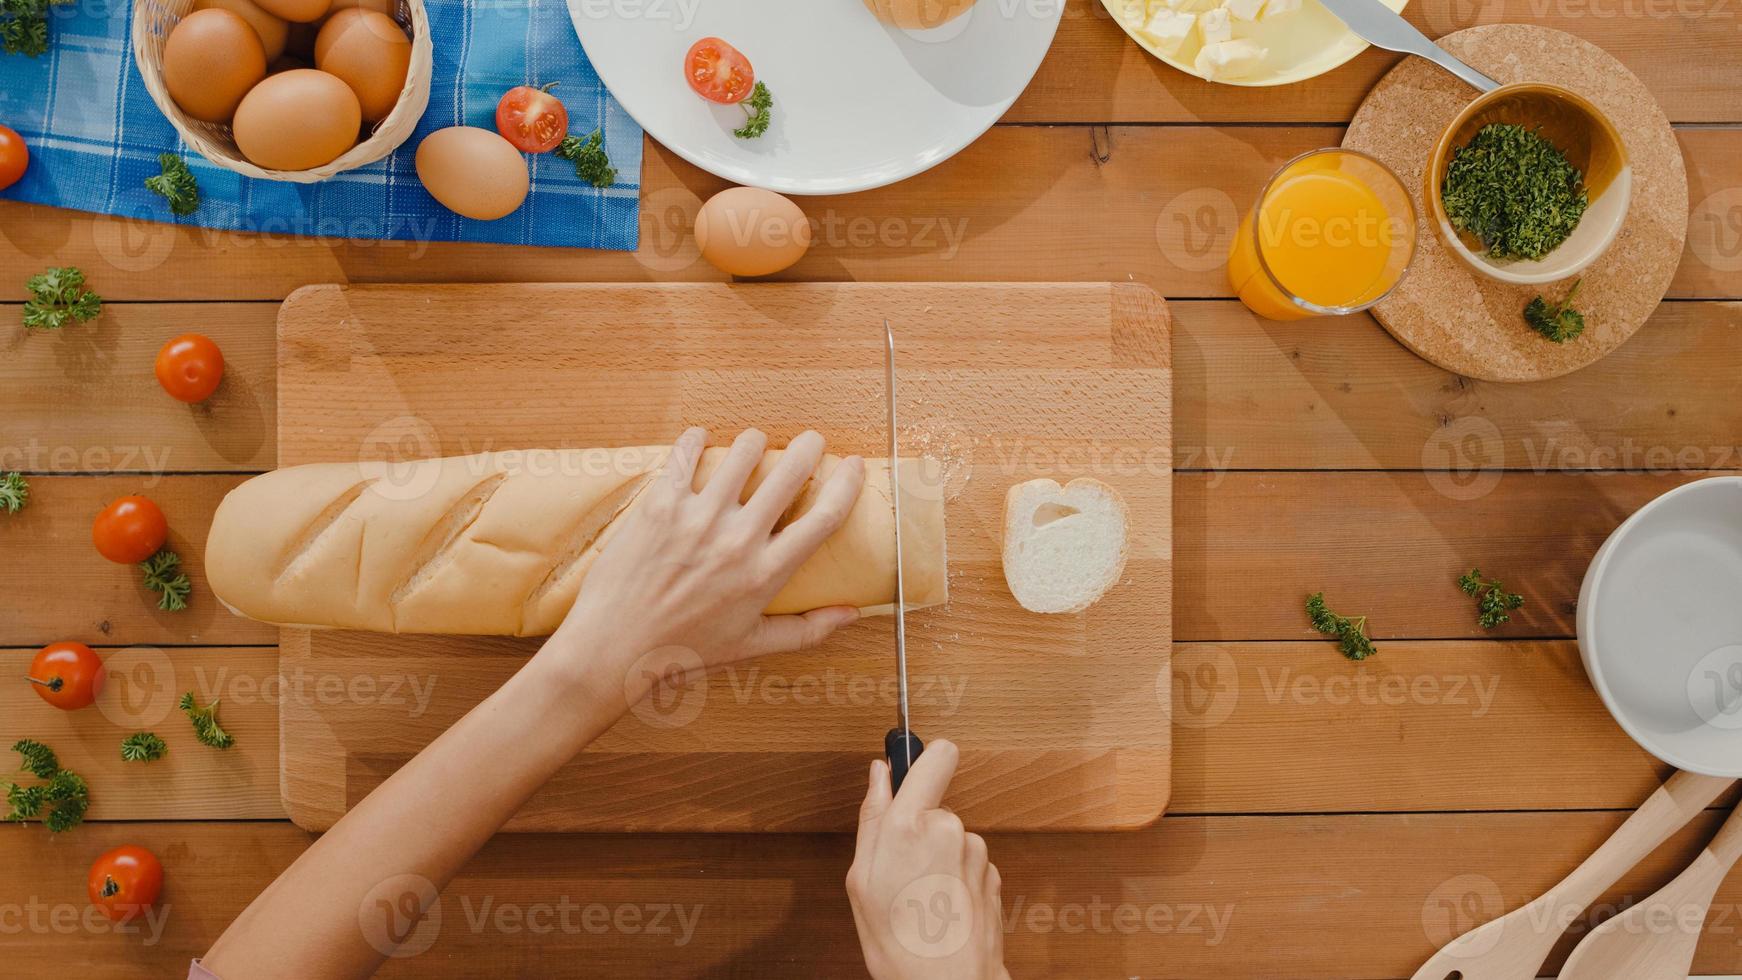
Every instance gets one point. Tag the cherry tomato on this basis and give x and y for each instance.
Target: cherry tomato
(718, 72)
(190, 367)
(534, 120)
(67, 675)
(130, 530)
(125, 882)
(14, 157)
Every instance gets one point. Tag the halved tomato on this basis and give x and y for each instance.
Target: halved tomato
(718, 72)
(534, 120)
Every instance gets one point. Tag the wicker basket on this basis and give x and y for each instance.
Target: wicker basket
(154, 19)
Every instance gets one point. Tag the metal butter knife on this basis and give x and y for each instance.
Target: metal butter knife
(901, 746)
(1382, 26)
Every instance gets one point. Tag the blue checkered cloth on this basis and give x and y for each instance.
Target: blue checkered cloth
(94, 136)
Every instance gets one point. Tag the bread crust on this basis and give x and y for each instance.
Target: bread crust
(498, 544)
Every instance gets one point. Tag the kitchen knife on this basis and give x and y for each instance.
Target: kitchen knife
(1386, 28)
(901, 746)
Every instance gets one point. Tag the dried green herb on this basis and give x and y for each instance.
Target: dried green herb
(24, 26)
(206, 727)
(1560, 322)
(1513, 190)
(1493, 602)
(58, 297)
(143, 747)
(64, 796)
(1350, 633)
(758, 109)
(14, 492)
(588, 155)
(176, 184)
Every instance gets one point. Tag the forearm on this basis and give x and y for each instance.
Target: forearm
(425, 821)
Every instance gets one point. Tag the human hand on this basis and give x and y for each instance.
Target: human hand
(926, 898)
(681, 585)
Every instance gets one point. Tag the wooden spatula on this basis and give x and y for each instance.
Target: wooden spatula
(1655, 940)
(1514, 946)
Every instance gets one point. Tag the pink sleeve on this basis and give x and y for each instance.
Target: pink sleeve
(198, 972)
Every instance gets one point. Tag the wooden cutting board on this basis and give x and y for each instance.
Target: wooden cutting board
(1063, 720)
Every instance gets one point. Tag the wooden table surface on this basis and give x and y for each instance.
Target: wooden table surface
(1328, 819)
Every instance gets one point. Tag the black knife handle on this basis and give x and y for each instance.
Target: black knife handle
(900, 747)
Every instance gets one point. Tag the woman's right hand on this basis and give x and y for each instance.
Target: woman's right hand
(680, 587)
(926, 898)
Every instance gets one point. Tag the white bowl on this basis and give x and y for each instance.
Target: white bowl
(1660, 626)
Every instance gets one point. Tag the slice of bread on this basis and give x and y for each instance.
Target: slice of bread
(1064, 547)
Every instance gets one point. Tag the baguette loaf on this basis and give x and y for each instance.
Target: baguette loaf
(498, 544)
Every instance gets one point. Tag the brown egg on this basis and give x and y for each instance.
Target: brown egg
(747, 231)
(210, 61)
(473, 172)
(272, 30)
(297, 11)
(297, 120)
(371, 53)
(918, 15)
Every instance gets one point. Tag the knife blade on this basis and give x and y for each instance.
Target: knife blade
(900, 746)
(1382, 26)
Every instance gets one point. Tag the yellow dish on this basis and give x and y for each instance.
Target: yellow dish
(1302, 45)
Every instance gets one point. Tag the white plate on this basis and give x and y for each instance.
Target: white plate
(1660, 626)
(857, 104)
(1302, 45)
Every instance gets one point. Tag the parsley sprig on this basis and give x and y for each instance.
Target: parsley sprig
(759, 108)
(1493, 602)
(143, 747)
(61, 800)
(24, 26)
(587, 153)
(163, 574)
(1560, 322)
(14, 492)
(1351, 634)
(176, 184)
(59, 297)
(206, 727)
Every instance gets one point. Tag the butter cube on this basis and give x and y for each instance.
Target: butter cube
(1216, 26)
(1169, 29)
(1243, 10)
(1230, 59)
(1280, 8)
(1192, 6)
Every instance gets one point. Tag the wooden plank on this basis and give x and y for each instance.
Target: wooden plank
(54, 585)
(1251, 546)
(1248, 548)
(1096, 73)
(191, 782)
(1305, 897)
(1151, 205)
(1341, 394)
(1000, 384)
(1425, 726)
(1463, 725)
(86, 400)
(1250, 395)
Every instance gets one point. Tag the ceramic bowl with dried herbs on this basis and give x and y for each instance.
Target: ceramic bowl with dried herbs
(1530, 184)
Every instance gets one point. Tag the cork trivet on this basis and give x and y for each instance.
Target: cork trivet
(1467, 323)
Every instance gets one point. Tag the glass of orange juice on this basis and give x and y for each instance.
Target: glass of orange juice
(1333, 233)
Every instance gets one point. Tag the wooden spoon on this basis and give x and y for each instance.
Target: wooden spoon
(1514, 946)
(1655, 940)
